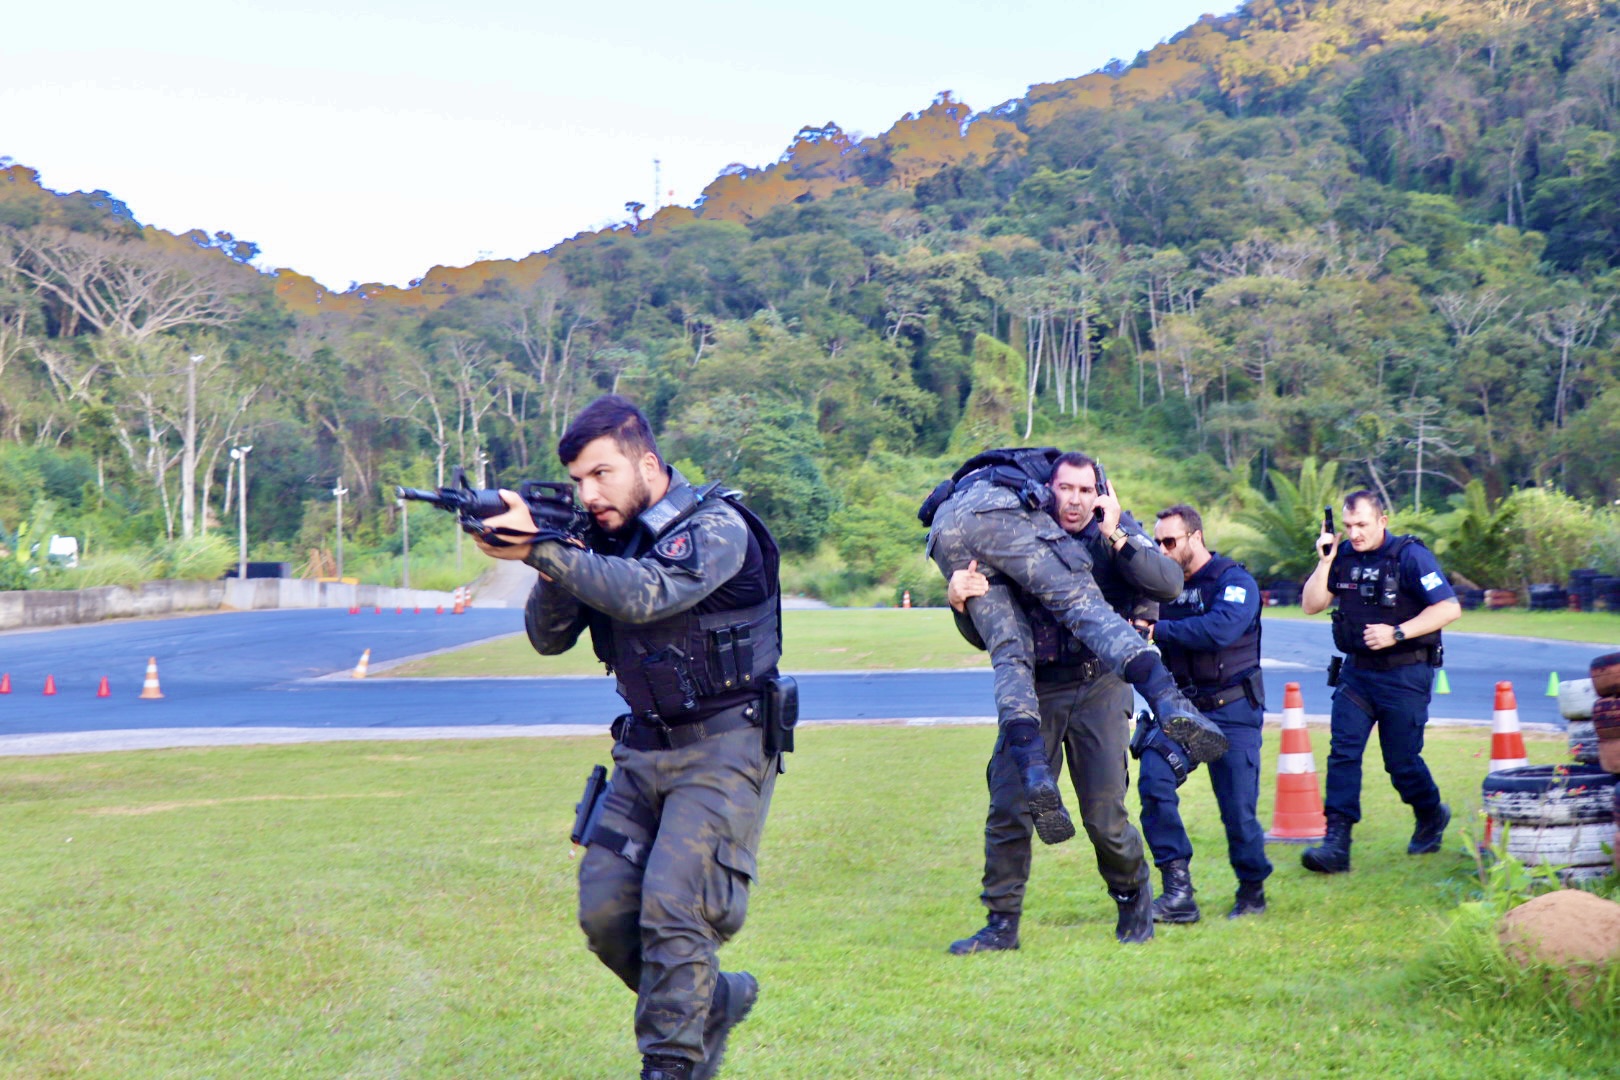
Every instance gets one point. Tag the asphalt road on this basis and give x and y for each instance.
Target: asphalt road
(254, 673)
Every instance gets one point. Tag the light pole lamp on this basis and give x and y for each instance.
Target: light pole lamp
(405, 533)
(338, 493)
(188, 452)
(239, 455)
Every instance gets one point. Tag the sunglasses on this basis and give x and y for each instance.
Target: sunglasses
(1169, 542)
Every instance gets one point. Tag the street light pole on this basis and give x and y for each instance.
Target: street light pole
(188, 456)
(405, 531)
(239, 454)
(338, 492)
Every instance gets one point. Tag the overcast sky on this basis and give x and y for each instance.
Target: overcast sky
(368, 141)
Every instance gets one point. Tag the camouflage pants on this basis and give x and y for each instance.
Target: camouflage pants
(986, 522)
(660, 926)
(1085, 721)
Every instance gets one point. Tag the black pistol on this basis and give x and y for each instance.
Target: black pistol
(1102, 488)
(1327, 527)
(589, 807)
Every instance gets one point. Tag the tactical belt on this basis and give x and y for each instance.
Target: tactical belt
(650, 733)
(1384, 663)
(1083, 672)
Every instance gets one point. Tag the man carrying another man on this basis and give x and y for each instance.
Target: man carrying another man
(1018, 515)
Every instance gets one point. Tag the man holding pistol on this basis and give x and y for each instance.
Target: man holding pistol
(678, 588)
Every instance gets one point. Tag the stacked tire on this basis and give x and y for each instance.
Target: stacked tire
(1575, 700)
(1606, 710)
(1560, 815)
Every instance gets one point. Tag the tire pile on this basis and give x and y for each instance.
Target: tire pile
(1564, 815)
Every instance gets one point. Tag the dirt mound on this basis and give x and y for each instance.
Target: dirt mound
(1570, 929)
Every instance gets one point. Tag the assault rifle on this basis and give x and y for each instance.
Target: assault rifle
(550, 503)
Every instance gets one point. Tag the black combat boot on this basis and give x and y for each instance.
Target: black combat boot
(1430, 832)
(1135, 924)
(1333, 856)
(1251, 900)
(1200, 736)
(734, 994)
(1052, 823)
(999, 934)
(1175, 904)
(664, 1067)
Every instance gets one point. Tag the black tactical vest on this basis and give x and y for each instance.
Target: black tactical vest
(1209, 672)
(1025, 469)
(1368, 585)
(713, 656)
(1055, 645)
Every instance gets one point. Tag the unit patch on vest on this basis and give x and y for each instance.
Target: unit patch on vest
(1235, 594)
(1431, 581)
(679, 549)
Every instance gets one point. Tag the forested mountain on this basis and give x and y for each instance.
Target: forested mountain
(1381, 234)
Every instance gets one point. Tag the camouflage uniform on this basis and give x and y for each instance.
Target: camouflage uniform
(1084, 711)
(657, 910)
(1029, 549)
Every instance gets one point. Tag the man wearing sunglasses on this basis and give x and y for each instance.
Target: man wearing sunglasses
(1210, 638)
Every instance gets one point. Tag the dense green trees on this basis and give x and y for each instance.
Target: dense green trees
(1378, 236)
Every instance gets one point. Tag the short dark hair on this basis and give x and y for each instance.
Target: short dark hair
(1371, 498)
(1190, 517)
(613, 416)
(1075, 459)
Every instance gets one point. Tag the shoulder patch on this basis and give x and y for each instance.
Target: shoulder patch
(1235, 594)
(1431, 581)
(678, 549)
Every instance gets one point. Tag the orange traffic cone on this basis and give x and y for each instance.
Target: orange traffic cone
(360, 668)
(399, 611)
(377, 610)
(5, 683)
(905, 599)
(1298, 813)
(354, 609)
(459, 606)
(150, 691)
(104, 690)
(1507, 741)
(50, 686)
(439, 610)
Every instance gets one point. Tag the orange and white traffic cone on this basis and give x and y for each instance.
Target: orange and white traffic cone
(5, 683)
(104, 690)
(1298, 814)
(459, 606)
(1507, 740)
(905, 599)
(360, 668)
(50, 686)
(150, 691)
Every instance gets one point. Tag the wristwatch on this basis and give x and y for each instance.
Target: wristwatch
(1119, 535)
(1400, 635)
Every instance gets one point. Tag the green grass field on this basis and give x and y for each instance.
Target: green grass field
(407, 910)
(888, 639)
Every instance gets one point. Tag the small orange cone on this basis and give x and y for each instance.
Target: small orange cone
(1298, 813)
(150, 690)
(459, 606)
(104, 690)
(439, 610)
(399, 611)
(419, 611)
(354, 609)
(1507, 741)
(50, 686)
(5, 683)
(360, 668)
(377, 610)
(905, 599)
